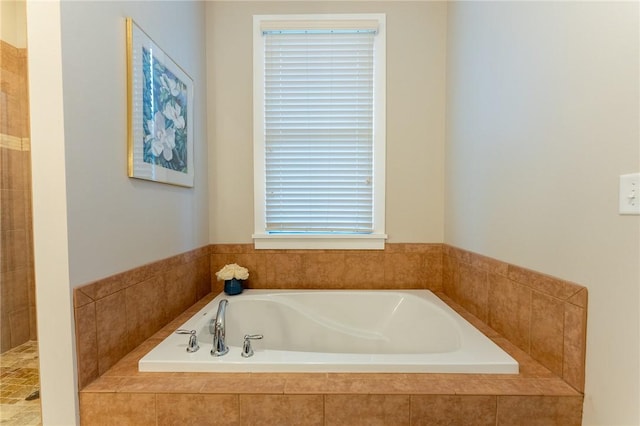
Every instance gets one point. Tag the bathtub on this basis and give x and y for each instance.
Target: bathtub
(334, 331)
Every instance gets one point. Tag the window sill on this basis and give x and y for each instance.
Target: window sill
(319, 242)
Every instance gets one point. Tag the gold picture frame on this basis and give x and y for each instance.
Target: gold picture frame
(160, 113)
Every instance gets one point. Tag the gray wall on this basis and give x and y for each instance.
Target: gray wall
(117, 223)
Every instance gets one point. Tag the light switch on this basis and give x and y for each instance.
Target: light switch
(630, 193)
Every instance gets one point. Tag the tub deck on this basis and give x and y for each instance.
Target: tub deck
(123, 395)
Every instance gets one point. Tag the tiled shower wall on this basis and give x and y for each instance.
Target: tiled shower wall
(17, 304)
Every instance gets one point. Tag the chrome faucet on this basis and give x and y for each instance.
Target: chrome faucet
(219, 345)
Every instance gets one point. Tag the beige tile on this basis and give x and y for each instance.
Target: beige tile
(510, 309)
(145, 308)
(14, 248)
(433, 270)
(547, 325)
(243, 384)
(33, 323)
(527, 365)
(5, 331)
(106, 384)
(120, 409)
(391, 390)
(463, 256)
(472, 291)
(543, 283)
(284, 270)
(281, 410)
(422, 248)
(364, 269)
(86, 344)
(162, 383)
(136, 275)
(404, 270)
(190, 409)
(394, 248)
(471, 410)
(367, 410)
(110, 285)
(107, 286)
(539, 410)
(449, 267)
(432, 384)
(80, 298)
(111, 330)
(387, 384)
(580, 298)
(195, 254)
(203, 276)
(13, 204)
(363, 384)
(552, 386)
(575, 336)
(302, 383)
(324, 270)
(14, 289)
(179, 290)
(488, 264)
(20, 326)
(11, 173)
(128, 365)
(232, 248)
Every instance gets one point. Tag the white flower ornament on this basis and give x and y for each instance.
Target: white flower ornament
(232, 271)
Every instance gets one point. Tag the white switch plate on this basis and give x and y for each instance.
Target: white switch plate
(630, 193)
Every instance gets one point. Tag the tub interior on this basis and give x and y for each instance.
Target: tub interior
(318, 323)
(335, 331)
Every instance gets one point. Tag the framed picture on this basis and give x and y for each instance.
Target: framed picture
(160, 114)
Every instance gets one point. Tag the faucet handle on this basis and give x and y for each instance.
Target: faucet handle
(192, 346)
(247, 350)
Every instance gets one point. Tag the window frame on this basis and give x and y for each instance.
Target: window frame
(371, 241)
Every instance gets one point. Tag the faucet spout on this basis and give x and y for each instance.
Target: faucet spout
(219, 343)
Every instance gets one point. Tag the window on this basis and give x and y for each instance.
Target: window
(319, 131)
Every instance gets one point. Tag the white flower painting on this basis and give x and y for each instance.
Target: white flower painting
(160, 135)
(165, 116)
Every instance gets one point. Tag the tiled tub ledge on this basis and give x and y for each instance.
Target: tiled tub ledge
(123, 395)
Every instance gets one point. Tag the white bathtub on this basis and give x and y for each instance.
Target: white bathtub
(335, 331)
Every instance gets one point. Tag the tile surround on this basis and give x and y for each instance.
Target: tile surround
(541, 318)
(335, 398)
(539, 410)
(436, 410)
(114, 315)
(123, 409)
(544, 316)
(281, 410)
(367, 410)
(397, 266)
(197, 409)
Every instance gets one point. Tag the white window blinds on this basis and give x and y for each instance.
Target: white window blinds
(318, 125)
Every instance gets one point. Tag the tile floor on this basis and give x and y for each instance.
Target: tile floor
(18, 379)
